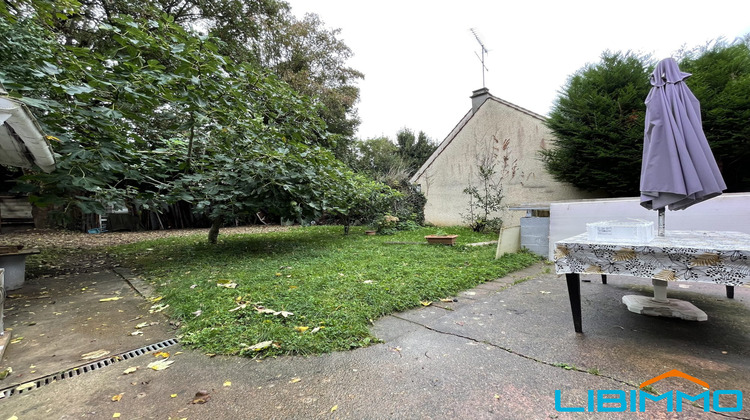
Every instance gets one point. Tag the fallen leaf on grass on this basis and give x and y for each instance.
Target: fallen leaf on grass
(156, 299)
(117, 397)
(95, 354)
(301, 329)
(238, 307)
(197, 313)
(160, 364)
(316, 329)
(129, 370)
(264, 310)
(200, 397)
(110, 299)
(226, 283)
(157, 308)
(260, 346)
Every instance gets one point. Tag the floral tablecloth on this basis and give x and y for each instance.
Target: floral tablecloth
(714, 257)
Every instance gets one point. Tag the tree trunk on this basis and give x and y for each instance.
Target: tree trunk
(213, 233)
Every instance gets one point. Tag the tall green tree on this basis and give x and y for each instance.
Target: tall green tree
(160, 115)
(414, 151)
(721, 82)
(598, 122)
(303, 53)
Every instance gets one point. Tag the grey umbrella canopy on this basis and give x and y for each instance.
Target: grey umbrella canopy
(678, 168)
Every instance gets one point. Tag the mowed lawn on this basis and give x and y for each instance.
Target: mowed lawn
(308, 290)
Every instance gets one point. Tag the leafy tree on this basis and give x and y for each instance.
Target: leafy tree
(414, 151)
(391, 162)
(303, 52)
(598, 122)
(159, 115)
(380, 158)
(313, 60)
(484, 199)
(721, 82)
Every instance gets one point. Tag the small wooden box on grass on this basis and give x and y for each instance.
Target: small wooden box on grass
(441, 239)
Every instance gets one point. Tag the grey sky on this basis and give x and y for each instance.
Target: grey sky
(420, 63)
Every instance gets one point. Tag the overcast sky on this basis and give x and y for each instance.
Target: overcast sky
(420, 59)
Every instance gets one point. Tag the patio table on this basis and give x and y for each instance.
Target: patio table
(700, 256)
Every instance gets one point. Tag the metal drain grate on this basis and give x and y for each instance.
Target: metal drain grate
(18, 389)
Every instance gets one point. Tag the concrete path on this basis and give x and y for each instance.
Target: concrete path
(500, 352)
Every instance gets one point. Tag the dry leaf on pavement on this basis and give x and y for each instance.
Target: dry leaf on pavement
(160, 364)
(201, 397)
(94, 354)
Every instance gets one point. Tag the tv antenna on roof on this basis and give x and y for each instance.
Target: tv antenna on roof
(484, 50)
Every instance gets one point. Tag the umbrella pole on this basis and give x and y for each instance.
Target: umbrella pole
(661, 222)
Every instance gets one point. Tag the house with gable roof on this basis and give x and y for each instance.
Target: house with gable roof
(493, 132)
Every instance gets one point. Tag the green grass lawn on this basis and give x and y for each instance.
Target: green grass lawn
(308, 290)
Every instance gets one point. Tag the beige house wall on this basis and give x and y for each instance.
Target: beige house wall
(505, 134)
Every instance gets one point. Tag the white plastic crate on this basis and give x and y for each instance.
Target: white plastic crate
(625, 231)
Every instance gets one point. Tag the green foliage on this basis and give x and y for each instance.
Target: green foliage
(391, 162)
(598, 119)
(387, 224)
(721, 82)
(161, 116)
(312, 60)
(598, 122)
(362, 200)
(414, 151)
(334, 284)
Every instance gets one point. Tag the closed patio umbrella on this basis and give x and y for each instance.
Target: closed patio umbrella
(678, 168)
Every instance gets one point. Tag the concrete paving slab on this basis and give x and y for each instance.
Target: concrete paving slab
(55, 321)
(502, 356)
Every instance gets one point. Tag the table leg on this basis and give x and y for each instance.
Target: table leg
(730, 292)
(574, 293)
(604, 279)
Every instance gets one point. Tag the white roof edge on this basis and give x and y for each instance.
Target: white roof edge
(16, 116)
